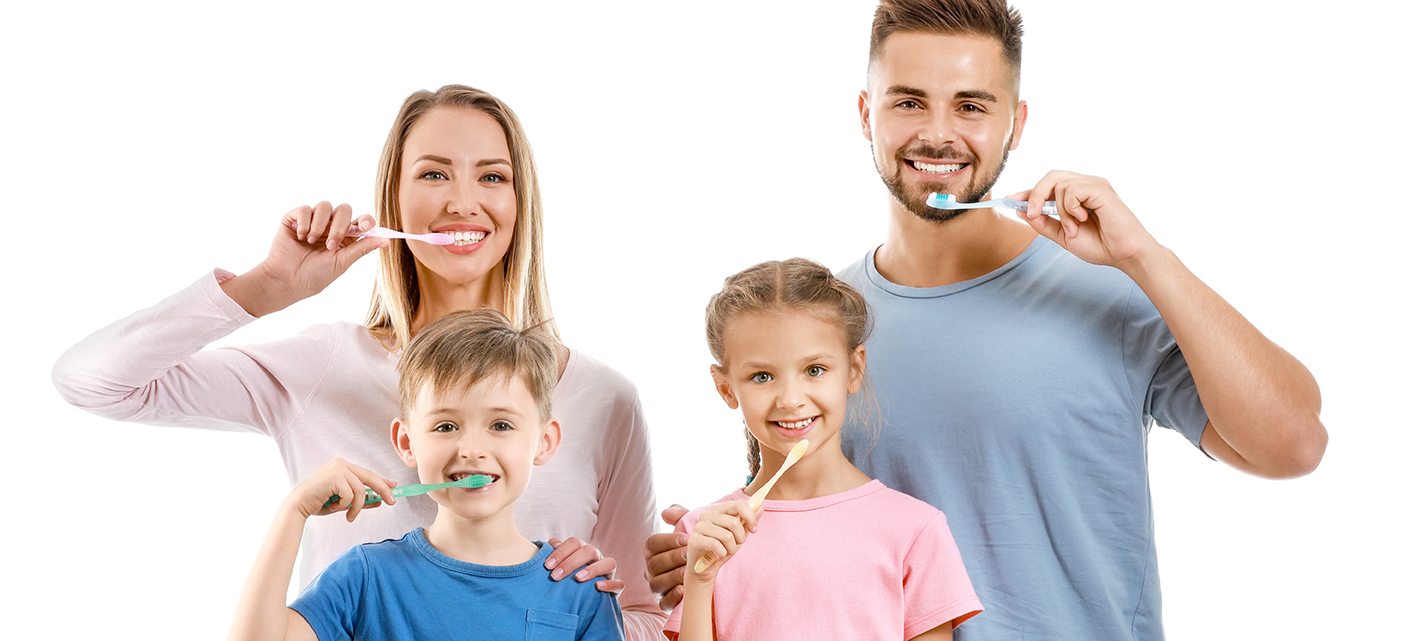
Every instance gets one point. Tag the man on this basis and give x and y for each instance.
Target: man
(1019, 364)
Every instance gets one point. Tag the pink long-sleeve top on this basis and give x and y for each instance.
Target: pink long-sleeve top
(331, 392)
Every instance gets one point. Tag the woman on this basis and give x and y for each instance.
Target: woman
(456, 162)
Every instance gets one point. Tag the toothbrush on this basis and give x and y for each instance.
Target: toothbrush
(383, 232)
(416, 489)
(755, 502)
(946, 201)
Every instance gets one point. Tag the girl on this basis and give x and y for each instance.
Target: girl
(839, 556)
(456, 161)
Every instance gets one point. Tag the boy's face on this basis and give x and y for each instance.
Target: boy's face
(491, 428)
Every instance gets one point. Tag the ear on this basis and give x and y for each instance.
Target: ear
(1019, 121)
(401, 440)
(858, 370)
(550, 440)
(865, 108)
(721, 385)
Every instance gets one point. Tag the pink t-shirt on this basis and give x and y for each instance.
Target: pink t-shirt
(867, 563)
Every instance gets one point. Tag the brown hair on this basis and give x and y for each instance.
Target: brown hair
(987, 18)
(467, 346)
(796, 284)
(397, 295)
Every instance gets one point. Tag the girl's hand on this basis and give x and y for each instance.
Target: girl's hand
(310, 250)
(576, 555)
(719, 532)
(344, 479)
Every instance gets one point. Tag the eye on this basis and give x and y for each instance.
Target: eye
(908, 104)
(433, 174)
(444, 428)
(495, 178)
(501, 426)
(761, 377)
(970, 107)
(815, 371)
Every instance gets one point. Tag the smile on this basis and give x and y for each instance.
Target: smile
(931, 168)
(455, 476)
(795, 425)
(463, 238)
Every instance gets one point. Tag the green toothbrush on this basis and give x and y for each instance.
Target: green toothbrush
(415, 489)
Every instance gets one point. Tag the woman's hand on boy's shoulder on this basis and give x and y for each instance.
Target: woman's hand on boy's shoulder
(348, 482)
(573, 555)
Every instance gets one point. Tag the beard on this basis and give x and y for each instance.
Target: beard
(913, 200)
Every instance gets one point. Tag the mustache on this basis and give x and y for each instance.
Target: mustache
(931, 153)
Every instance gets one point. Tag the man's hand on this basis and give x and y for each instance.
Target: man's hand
(665, 560)
(1095, 225)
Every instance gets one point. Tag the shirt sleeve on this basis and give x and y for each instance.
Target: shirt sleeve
(936, 586)
(1158, 372)
(332, 602)
(151, 368)
(603, 622)
(626, 515)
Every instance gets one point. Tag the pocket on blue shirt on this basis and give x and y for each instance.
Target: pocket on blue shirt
(549, 625)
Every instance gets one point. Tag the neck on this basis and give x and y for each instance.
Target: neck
(921, 253)
(440, 297)
(822, 472)
(492, 540)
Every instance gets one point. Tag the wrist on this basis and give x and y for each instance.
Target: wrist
(1148, 263)
(258, 292)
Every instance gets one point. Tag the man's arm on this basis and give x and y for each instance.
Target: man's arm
(1263, 405)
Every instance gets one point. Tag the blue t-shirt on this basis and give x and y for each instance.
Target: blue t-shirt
(1019, 403)
(406, 589)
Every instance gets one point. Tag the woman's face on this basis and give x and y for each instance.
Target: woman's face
(456, 178)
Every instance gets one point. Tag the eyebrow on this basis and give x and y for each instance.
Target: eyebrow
(446, 161)
(967, 94)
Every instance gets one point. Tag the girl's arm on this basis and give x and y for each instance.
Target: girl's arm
(719, 532)
(944, 632)
(150, 367)
(262, 614)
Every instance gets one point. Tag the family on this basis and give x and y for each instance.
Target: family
(975, 397)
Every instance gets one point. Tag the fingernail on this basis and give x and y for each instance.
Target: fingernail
(557, 574)
(582, 576)
(682, 539)
(550, 563)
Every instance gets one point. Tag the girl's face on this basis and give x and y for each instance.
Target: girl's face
(790, 373)
(456, 178)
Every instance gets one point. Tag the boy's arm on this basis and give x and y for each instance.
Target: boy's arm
(262, 614)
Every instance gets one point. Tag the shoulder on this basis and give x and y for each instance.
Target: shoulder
(855, 273)
(586, 374)
(902, 512)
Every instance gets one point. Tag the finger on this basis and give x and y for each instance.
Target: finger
(561, 552)
(354, 252)
(379, 485)
(666, 583)
(658, 544)
(338, 224)
(577, 560)
(365, 222)
(1068, 223)
(1075, 197)
(715, 532)
(663, 564)
(1040, 194)
(673, 514)
(318, 226)
(602, 568)
(359, 495)
(613, 586)
(298, 219)
(1022, 195)
(749, 517)
(673, 597)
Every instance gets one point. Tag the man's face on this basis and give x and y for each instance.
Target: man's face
(941, 115)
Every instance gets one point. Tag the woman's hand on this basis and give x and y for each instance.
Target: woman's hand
(719, 533)
(349, 482)
(576, 555)
(310, 250)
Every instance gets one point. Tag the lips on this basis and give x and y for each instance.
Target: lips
(936, 168)
(794, 427)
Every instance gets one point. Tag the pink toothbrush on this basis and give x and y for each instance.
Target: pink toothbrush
(383, 232)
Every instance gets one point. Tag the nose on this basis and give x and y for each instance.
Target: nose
(792, 395)
(472, 445)
(464, 198)
(938, 130)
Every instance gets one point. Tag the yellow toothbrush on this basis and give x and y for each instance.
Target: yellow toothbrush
(756, 501)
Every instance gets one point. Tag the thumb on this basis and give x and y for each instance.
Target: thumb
(673, 514)
(346, 256)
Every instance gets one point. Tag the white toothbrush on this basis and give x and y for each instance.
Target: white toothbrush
(383, 232)
(946, 201)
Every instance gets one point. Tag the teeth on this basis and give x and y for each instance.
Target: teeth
(467, 237)
(937, 169)
(797, 424)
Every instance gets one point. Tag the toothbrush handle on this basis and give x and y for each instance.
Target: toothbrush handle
(1049, 208)
(372, 497)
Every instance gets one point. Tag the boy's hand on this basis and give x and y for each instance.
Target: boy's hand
(576, 555)
(344, 479)
(719, 532)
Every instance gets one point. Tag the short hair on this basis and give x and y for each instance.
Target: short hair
(987, 18)
(467, 346)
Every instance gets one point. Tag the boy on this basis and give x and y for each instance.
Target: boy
(475, 399)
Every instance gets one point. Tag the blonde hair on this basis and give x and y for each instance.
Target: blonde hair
(397, 294)
(795, 284)
(462, 348)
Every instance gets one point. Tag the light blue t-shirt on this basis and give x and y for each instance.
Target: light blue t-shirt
(406, 589)
(1019, 403)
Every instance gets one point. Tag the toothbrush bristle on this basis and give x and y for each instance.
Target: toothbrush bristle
(440, 239)
(798, 450)
(478, 480)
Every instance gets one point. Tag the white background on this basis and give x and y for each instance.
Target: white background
(145, 145)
